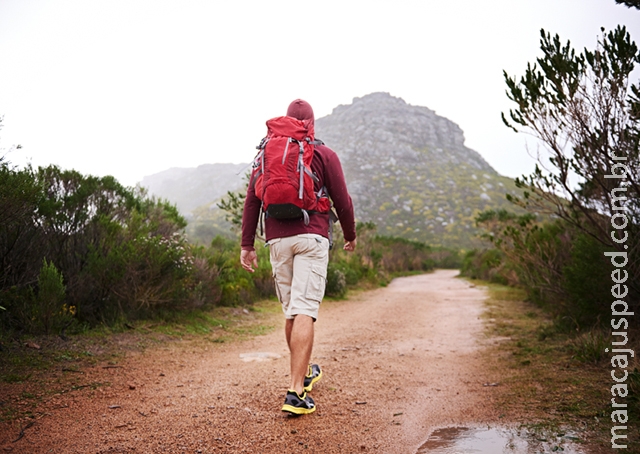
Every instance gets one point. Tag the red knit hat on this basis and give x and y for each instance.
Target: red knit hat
(301, 110)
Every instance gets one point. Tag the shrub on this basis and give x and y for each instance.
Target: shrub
(236, 285)
(564, 270)
(489, 265)
(587, 280)
(336, 282)
(49, 309)
(446, 258)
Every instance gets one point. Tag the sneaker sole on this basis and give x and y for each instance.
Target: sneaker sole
(313, 382)
(297, 410)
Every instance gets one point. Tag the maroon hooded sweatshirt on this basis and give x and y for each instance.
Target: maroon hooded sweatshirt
(328, 169)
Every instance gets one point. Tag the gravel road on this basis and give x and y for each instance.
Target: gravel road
(398, 362)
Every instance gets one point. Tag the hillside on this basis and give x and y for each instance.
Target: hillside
(407, 168)
(409, 171)
(190, 188)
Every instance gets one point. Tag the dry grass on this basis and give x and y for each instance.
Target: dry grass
(553, 380)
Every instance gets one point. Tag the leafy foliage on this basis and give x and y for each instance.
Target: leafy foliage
(86, 249)
(561, 268)
(51, 294)
(488, 265)
(629, 3)
(584, 110)
(378, 258)
(586, 113)
(233, 205)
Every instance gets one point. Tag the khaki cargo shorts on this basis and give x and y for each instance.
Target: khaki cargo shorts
(299, 266)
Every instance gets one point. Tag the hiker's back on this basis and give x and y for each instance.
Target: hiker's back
(282, 175)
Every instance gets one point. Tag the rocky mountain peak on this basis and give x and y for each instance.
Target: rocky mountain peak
(409, 171)
(382, 126)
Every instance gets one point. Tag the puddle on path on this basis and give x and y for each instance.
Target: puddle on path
(259, 356)
(464, 440)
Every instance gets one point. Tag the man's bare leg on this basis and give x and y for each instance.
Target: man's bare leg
(299, 333)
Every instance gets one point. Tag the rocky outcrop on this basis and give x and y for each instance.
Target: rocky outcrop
(409, 171)
(381, 127)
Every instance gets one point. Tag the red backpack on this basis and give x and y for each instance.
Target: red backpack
(282, 175)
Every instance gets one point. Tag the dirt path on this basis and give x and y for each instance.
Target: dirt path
(398, 361)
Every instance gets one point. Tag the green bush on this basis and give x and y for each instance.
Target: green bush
(489, 265)
(21, 242)
(561, 268)
(49, 309)
(336, 282)
(37, 310)
(378, 258)
(446, 258)
(263, 277)
(237, 286)
(121, 254)
(587, 280)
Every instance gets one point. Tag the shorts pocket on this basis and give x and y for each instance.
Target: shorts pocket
(317, 283)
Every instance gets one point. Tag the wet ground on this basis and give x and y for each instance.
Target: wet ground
(467, 440)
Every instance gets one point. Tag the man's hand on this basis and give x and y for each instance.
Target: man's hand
(249, 260)
(350, 245)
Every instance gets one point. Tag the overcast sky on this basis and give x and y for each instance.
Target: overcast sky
(133, 87)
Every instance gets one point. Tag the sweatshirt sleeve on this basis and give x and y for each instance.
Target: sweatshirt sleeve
(337, 187)
(250, 216)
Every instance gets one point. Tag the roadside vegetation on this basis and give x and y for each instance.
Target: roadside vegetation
(582, 206)
(84, 260)
(553, 380)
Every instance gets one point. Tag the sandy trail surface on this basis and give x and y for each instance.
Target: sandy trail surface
(398, 363)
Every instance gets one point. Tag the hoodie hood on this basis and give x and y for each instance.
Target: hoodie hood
(301, 110)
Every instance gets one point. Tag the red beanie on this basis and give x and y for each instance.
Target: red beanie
(301, 110)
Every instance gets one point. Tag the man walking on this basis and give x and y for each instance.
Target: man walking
(299, 253)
